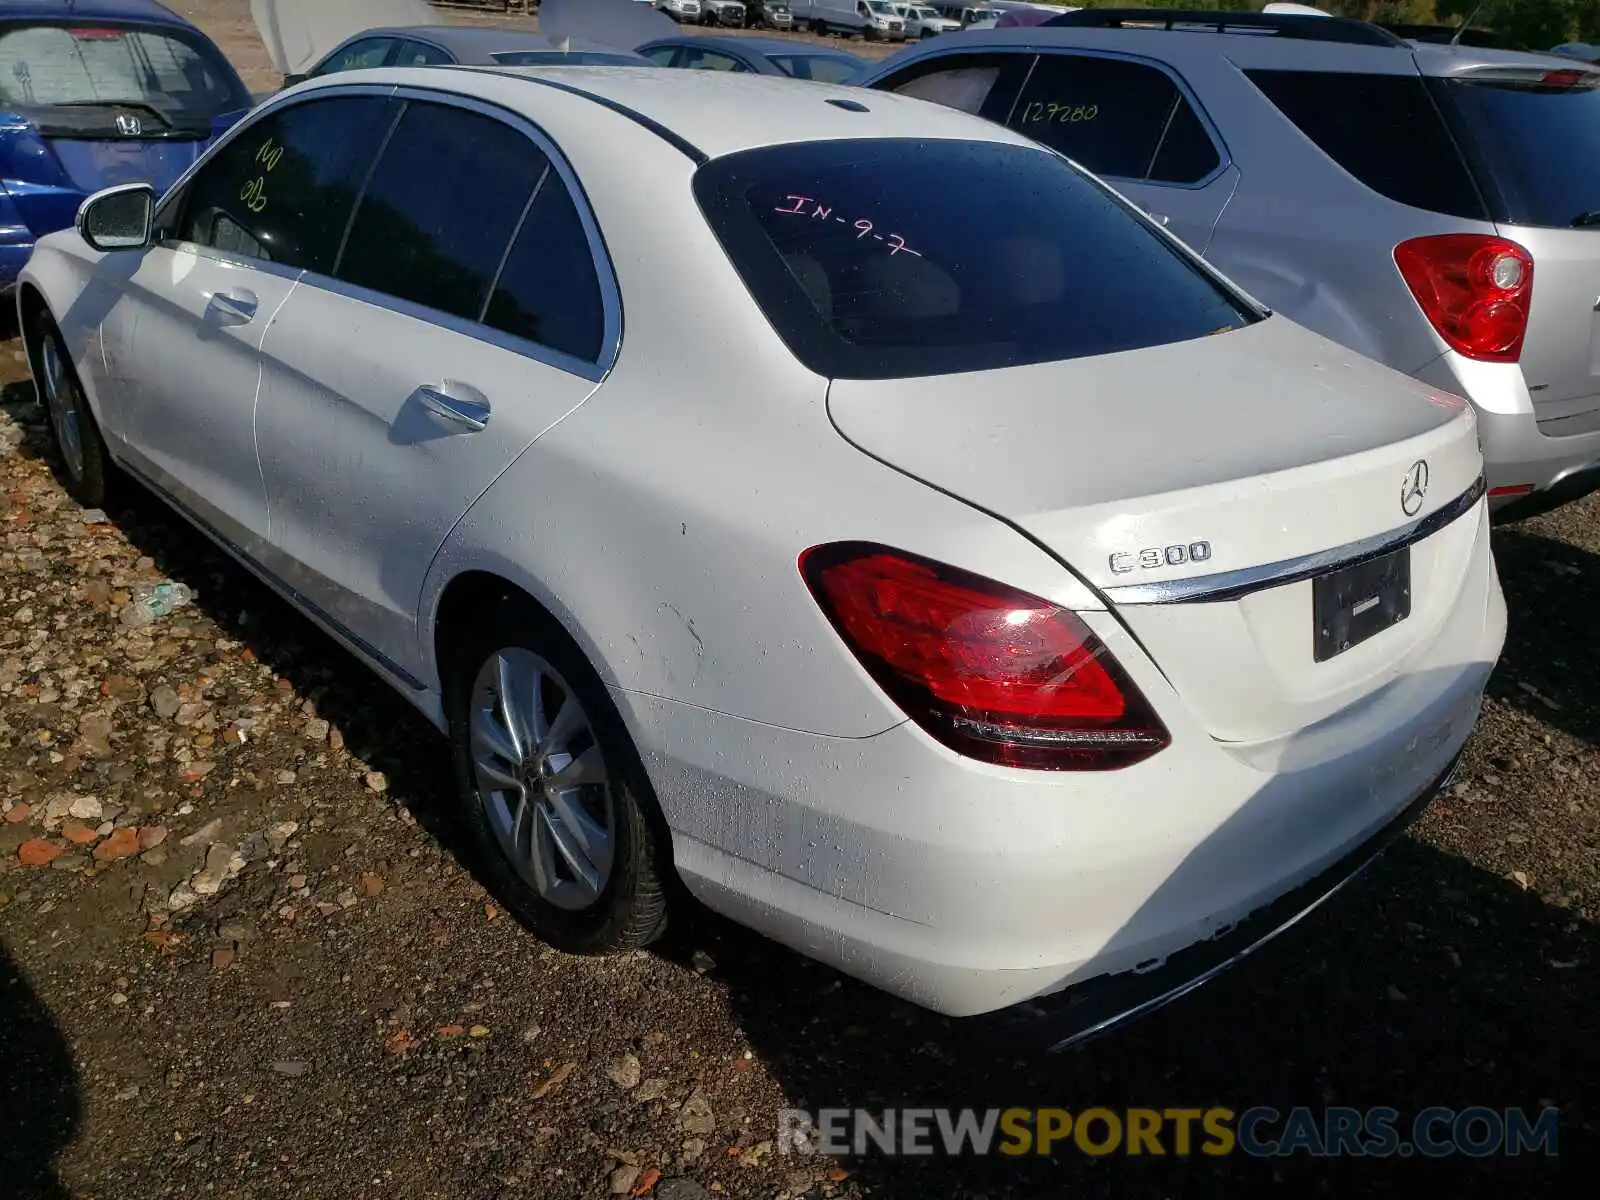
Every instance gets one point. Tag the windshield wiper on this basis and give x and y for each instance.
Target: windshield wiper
(1591, 217)
(155, 112)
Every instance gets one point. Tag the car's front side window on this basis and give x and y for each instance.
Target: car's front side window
(282, 189)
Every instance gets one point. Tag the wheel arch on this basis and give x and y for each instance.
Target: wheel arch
(481, 589)
(31, 304)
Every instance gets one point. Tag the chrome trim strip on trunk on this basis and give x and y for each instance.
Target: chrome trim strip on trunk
(1230, 585)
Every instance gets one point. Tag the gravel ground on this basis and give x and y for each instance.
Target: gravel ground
(257, 963)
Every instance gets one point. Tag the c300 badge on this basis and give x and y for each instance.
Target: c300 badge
(1152, 557)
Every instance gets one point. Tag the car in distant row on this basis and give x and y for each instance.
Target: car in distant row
(923, 21)
(681, 10)
(462, 45)
(874, 20)
(96, 93)
(761, 56)
(1433, 206)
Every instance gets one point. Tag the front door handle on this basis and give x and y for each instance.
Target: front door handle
(241, 304)
(474, 414)
(1159, 218)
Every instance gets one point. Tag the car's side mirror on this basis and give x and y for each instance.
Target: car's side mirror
(118, 218)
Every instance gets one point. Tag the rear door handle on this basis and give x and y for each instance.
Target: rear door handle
(474, 414)
(241, 304)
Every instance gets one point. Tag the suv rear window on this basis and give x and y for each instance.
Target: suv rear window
(1383, 129)
(878, 259)
(1537, 147)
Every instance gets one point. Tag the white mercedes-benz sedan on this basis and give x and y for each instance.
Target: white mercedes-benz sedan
(831, 501)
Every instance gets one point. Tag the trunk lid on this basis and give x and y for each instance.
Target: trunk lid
(1264, 445)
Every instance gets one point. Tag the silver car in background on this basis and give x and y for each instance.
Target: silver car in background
(1435, 207)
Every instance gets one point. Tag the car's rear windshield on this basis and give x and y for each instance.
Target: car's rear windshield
(1537, 147)
(880, 259)
(84, 71)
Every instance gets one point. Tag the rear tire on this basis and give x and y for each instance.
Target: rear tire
(554, 794)
(86, 466)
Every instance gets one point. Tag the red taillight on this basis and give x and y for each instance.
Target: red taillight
(1564, 79)
(1474, 289)
(992, 672)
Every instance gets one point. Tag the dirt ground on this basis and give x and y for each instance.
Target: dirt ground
(258, 964)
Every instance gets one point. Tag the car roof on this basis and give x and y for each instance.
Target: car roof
(755, 45)
(714, 112)
(479, 43)
(148, 11)
(1432, 58)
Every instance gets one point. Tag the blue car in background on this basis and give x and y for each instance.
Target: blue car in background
(95, 93)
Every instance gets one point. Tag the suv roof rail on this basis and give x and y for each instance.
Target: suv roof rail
(1288, 25)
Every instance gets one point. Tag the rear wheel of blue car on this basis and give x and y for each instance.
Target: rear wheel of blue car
(86, 468)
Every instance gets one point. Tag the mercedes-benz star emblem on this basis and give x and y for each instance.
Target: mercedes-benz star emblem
(128, 125)
(1414, 487)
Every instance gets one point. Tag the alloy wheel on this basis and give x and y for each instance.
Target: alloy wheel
(541, 778)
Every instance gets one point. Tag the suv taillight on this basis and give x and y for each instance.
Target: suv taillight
(1475, 290)
(991, 672)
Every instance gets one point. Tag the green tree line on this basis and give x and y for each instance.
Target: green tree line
(1538, 24)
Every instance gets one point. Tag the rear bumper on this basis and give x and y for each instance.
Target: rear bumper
(1089, 1009)
(1517, 455)
(967, 889)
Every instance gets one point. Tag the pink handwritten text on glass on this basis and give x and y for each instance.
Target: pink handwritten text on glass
(813, 209)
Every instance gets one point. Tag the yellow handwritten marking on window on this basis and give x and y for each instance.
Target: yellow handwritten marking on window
(254, 194)
(1067, 114)
(269, 154)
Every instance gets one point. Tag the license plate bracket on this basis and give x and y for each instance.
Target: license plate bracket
(1354, 603)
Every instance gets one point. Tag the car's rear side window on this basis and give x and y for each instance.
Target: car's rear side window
(368, 52)
(1385, 130)
(441, 208)
(900, 258)
(1537, 147)
(985, 85)
(1118, 118)
(548, 291)
(824, 68)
